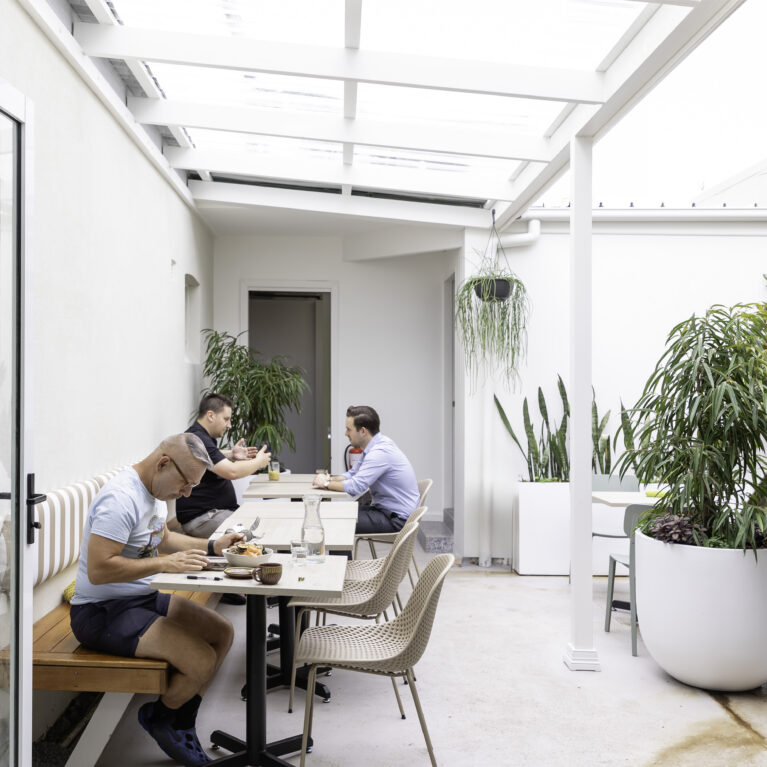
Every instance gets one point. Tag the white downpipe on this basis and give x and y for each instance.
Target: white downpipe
(486, 505)
(522, 238)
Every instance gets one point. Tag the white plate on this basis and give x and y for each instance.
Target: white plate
(245, 560)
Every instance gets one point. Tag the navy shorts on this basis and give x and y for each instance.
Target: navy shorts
(115, 625)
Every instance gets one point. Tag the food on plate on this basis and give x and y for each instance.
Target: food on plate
(249, 549)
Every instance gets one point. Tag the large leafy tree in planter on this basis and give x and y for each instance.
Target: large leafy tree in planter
(262, 392)
(701, 423)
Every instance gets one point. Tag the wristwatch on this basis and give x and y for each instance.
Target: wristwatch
(211, 550)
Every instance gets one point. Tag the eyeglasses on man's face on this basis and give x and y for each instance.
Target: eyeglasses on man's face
(187, 483)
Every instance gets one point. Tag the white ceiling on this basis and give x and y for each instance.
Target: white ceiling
(340, 116)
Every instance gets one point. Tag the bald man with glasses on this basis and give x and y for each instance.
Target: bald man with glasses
(116, 611)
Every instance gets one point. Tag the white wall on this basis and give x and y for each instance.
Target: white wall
(646, 278)
(389, 333)
(108, 302)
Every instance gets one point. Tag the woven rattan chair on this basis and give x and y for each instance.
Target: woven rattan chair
(365, 569)
(367, 600)
(424, 485)
(388, 649)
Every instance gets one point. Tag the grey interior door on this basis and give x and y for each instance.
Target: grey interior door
(297, 326)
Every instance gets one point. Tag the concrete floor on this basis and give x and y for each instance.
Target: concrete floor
(495, 692)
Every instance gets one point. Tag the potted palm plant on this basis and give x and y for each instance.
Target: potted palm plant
(491, 313)
(262, 392)
(701, 563)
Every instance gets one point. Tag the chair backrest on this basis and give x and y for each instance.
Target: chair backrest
(415, 622)
(424, 485)
(629, 483)
(387, 581)
(631, 517)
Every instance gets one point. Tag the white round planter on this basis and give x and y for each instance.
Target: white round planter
(703, 613)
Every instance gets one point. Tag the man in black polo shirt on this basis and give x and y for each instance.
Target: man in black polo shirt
(214, 499)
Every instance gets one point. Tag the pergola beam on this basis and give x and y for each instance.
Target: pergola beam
(416, 181)
(211, 194)
(409, 70)
(319, 127)
(651, 55)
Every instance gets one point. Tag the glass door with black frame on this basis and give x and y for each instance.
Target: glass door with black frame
(9, 446)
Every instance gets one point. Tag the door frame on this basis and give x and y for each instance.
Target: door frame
(307, 286)
(20, 109)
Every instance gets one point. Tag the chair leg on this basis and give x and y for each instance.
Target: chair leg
(356, 544)
(372, 548)
(610, 591)
(308, 710)
(411, 681)
(633, 597)
(299, 617)
(415, 565)
(396, 695)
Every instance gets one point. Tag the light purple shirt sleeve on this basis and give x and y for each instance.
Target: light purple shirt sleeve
(386, 472)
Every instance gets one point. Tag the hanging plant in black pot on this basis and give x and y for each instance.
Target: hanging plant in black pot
(491, 313)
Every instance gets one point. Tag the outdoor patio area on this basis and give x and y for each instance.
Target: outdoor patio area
(495, 692)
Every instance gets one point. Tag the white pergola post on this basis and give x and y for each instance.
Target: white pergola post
(580, 654)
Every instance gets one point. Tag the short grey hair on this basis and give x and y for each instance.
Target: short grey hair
(174, 444)
(198, 450)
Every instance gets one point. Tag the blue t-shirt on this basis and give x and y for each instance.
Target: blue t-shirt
(126, 512)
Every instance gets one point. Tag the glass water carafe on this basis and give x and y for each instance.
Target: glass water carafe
(312, 531)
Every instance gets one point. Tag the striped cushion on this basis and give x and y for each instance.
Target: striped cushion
(62, 518)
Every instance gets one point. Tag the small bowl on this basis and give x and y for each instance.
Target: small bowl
(245, 560)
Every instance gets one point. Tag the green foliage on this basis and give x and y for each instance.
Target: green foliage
(546, 457)
(701, 424)
(547, 454)
(601, 460)
(262, 392)
(493, 331)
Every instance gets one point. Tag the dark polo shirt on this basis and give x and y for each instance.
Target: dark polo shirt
(213, 492)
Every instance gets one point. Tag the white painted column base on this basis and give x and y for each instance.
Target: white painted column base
(99, 730)
(581, 660)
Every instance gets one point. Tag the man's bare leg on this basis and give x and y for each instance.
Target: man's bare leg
(194, 640)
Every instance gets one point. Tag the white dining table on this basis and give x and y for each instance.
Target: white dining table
(284, 508)
(289, 486)
(619, 498)
(277, 530)
(325, 579)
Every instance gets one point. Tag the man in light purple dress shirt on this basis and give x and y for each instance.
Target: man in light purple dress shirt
(383, 470)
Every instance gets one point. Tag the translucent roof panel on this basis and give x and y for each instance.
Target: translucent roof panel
(569, 34)
(316, 22)
(460, 109)
(449, 163)
(252, 89)
(271, 146)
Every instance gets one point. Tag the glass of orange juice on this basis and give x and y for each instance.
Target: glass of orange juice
(274, 470)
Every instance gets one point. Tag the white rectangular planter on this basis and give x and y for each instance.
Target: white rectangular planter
(541, 531)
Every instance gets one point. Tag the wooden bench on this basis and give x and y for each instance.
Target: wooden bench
(60, 662)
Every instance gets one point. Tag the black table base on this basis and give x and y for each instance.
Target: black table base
(279, 676)
(254, 750)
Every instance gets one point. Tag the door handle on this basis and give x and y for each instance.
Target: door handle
(5, 496)
(33, 499)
